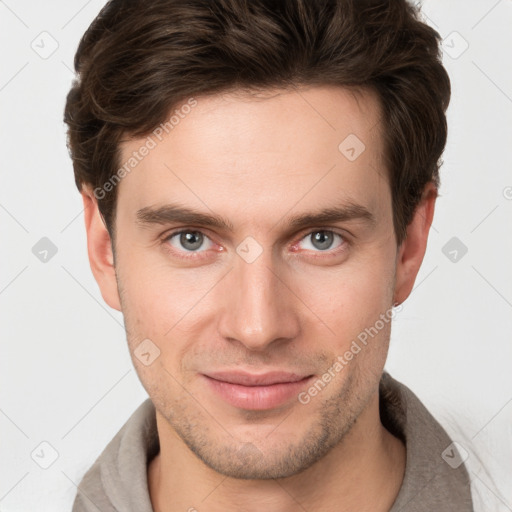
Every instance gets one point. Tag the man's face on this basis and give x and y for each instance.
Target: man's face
(223, 305)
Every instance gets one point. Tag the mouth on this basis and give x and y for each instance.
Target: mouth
(256, 391)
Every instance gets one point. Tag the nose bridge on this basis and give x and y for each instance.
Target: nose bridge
(258, 307)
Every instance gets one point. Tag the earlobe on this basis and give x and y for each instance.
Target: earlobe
(412, 250)
(99, 249)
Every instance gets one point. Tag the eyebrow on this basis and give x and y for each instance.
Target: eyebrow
(173, 213)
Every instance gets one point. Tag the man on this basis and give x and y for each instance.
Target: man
(259, 180)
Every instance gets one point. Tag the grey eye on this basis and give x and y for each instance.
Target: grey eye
(189, 240)
(322, 240)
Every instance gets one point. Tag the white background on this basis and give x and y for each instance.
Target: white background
(67, 378)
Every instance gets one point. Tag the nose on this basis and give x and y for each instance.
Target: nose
(259, 307)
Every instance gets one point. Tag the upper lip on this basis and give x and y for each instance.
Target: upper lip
(260, 379)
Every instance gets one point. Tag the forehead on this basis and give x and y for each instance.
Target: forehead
(251, 153)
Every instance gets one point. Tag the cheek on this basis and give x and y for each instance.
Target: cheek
(350, 301)
(156, 295)
(349, 298)
(169, 306)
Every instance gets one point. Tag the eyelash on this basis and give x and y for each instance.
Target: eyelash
(195, 255)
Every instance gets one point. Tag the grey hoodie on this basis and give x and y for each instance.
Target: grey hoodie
(436, 479)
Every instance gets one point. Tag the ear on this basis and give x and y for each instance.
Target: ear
(412, 250)
(99, 249)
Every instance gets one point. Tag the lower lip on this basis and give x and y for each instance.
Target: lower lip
(257, 398)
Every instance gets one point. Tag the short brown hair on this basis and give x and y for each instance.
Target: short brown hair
(140, 59)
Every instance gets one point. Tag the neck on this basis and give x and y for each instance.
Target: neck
(363, 472)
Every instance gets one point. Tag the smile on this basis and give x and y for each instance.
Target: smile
(256, 392)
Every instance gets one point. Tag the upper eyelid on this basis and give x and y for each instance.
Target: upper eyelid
(303, 234)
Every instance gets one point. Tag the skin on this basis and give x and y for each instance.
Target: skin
(297, 307)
